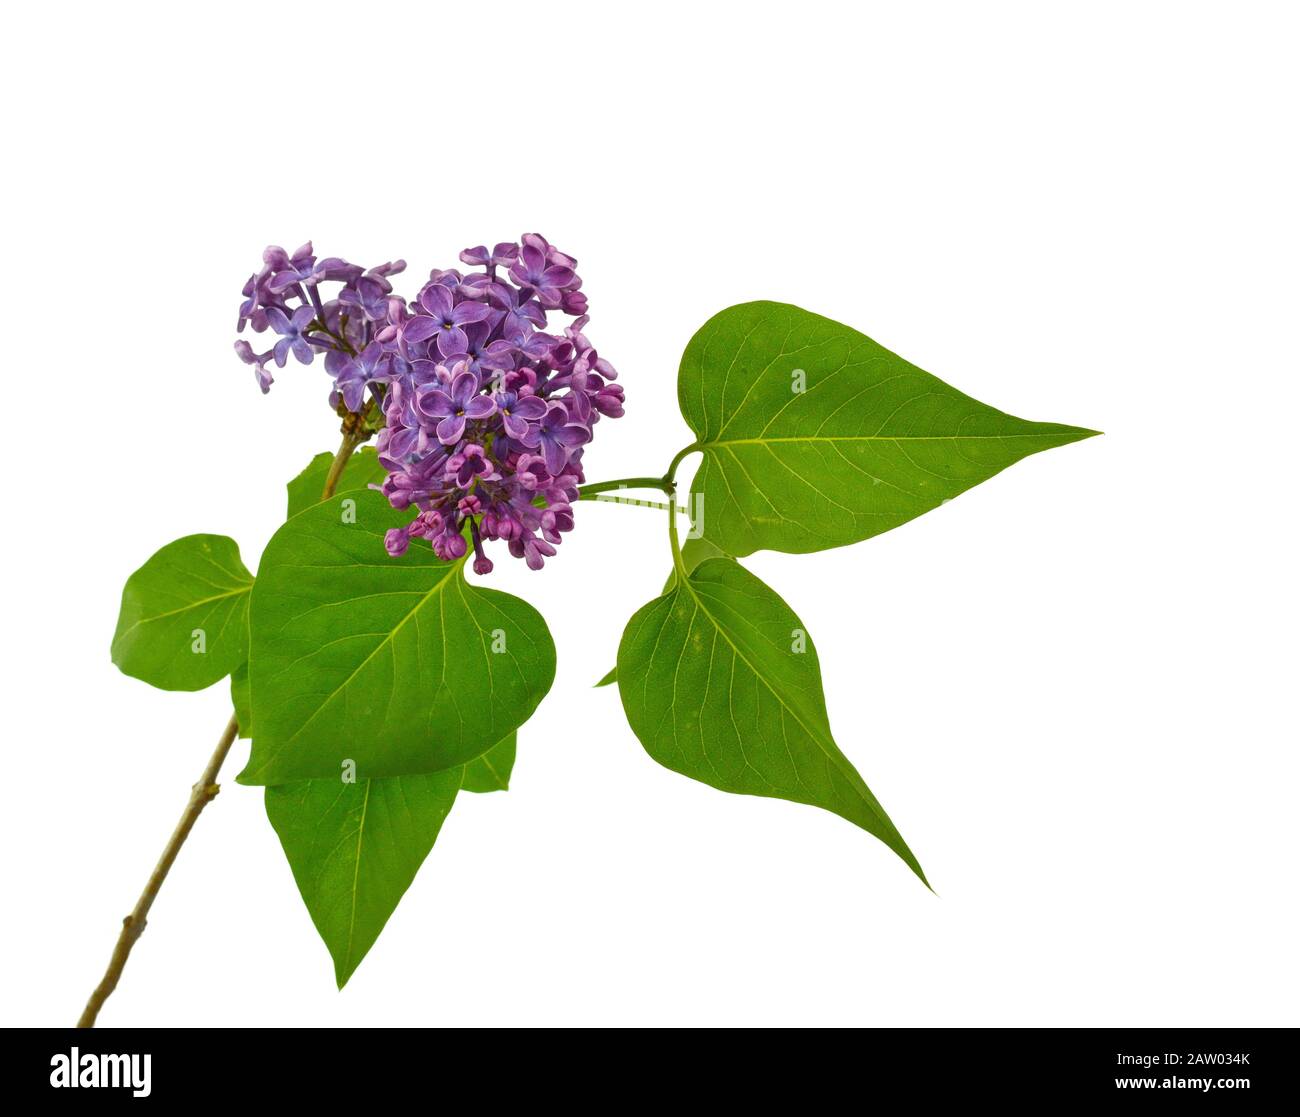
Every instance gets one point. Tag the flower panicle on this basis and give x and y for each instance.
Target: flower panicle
(486, 414)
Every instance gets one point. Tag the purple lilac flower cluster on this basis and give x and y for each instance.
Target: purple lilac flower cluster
(484, 413)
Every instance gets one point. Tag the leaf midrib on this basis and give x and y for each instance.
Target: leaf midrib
(833, 754)
(880, 438)
(388, 639)
(356, 870)
(183, 609)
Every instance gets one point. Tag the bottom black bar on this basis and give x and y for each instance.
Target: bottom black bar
(1240, 1066)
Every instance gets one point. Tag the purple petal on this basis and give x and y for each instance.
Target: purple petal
(570, 435)
(424, 372)
(450, 429)
(581, 406)
(436, 299)
(452, 342)
(463, 386)
(555, 455)
(532, 258)
(353, 391)
(470, 311)
(529, 407)
(557, 277)
(434, 404)
(401, 443)
(419, 329)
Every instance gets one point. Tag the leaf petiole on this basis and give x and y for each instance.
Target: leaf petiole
(587, 492)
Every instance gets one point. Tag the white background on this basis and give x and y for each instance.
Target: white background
(1073, 688)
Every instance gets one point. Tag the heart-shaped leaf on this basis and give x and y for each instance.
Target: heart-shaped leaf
(183, 624)
(721, 682)
(398, 666)
(814, 436)
(354, 849)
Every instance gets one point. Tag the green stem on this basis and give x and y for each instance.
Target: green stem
(665, 484)
(201, 794)
(678, 565)
(351, 440)
(681, 454)
(586, 492)
(670, 481)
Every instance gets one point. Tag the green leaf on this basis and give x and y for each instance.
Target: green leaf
(491, 771)
(362, 469)
(304, 491)
(239, 699)
(694, 552)
(355, 848)
(720, 682)
(398, 665)
(183, 624)
(869, 442)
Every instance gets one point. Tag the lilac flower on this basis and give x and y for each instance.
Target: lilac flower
(292, 333)
(368, 297)
(402, 437)
(608, 400)
(532, 550)
(444, 317)
(453, 407)
(484, 354)
(370, 366)
(519, 413)
(258, 361)
(469, 464)
(501, 256)
(531, 473)
(332, 267)
(289, 270)
(396, 540)
(553, 254)
(555, 436)
(482, 564)
(448, 546)
(548, 280)
(256, 297)
(555, 519)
